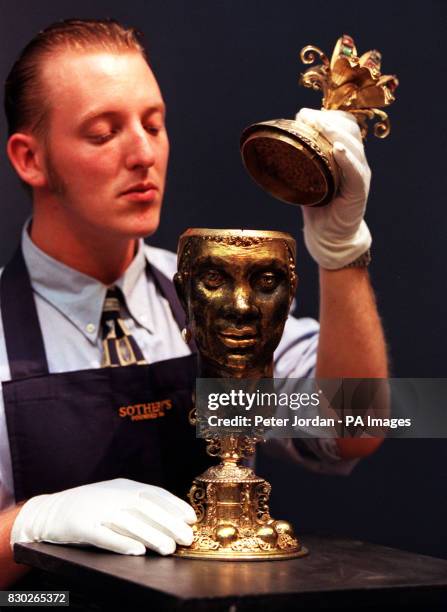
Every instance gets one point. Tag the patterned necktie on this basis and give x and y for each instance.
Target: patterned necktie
(119, 346)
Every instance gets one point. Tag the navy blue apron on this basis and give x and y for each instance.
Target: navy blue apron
(74, 428)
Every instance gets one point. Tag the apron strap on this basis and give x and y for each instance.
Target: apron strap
(167, 289)
(23, 337)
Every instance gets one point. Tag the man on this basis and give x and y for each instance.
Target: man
(87, 137)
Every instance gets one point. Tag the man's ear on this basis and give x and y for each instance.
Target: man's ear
(180, 289)
(26, 155)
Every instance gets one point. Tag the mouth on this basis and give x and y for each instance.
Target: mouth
(239, 338)
(140, 192)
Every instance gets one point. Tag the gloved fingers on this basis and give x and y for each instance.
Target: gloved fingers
(171, 503)
(156, 516)
(127, 523)
(355, 175)
(116, 542)
(337, 119)
(334, 131)
(350, 142)
(343, 119)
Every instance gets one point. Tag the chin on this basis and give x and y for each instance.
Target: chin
(144, 225)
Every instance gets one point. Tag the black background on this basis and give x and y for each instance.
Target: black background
(222, 65)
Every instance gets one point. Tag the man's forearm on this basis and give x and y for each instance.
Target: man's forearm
(10, 571)
(351, 343)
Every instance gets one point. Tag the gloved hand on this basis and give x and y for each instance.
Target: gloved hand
(120, 515)
(336, 234)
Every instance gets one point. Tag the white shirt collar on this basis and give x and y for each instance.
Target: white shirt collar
(80, 297)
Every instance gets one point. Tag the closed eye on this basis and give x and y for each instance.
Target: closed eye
(101, 138)
(154, 129)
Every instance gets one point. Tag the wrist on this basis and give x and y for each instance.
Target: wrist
(333, 252)
(362, 261)
(24, 520)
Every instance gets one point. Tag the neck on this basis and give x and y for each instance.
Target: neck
(104, 258)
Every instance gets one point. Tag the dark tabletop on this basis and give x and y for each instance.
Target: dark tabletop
(337, 573)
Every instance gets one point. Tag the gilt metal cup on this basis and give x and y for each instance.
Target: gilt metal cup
(236, 288)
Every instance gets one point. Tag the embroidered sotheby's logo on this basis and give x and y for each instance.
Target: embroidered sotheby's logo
(139, 412)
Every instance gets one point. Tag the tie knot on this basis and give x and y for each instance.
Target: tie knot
(112, 304)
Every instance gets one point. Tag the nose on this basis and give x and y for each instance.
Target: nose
(242, 303)
(140, 150)
(241, 299)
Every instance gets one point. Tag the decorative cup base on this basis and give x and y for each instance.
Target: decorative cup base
(230, 555)
(234, 523)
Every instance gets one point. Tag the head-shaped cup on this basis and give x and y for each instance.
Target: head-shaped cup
(236, 287)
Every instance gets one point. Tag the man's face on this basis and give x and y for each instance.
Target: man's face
(238, 304)
(106, 147)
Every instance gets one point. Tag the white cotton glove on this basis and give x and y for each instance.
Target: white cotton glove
(336, 234)
(120, 515)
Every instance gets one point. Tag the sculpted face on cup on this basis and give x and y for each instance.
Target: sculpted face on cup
(237, 298)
